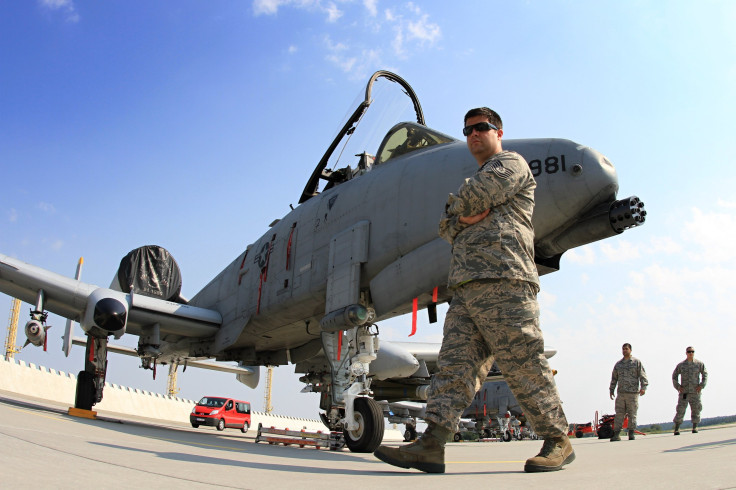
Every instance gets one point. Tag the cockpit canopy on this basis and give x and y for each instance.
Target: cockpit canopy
(407, 137)
(401, 139)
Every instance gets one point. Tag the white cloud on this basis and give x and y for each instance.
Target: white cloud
(423, 30)
(581, 255)
(13, 215)
(712, 233)
(293, 49)
(417, 28)
(66, 6)
(333, 13)
(357, 66)
(370, 6)
(663, 245)
(620, 250)
(268, 7)
(409, 25)
(46, 207)
(271, 7)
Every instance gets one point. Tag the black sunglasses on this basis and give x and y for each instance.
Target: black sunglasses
(481, 126)
(691, 352)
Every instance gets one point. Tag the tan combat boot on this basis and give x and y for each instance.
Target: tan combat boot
(631, 435)
(556, 452)
(695, 428)
(425, 454)
(616, 436)
(677, 429)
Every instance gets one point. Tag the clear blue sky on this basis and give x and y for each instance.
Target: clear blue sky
(193, 125)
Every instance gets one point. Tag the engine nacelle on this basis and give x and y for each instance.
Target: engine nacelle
(150, 271)
(35, 333)
(106, 313)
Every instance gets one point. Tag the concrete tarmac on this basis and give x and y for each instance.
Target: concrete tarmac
(43, 447)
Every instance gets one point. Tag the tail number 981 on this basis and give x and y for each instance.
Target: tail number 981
(551, 165)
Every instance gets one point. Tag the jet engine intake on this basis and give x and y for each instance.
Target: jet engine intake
(106, 313)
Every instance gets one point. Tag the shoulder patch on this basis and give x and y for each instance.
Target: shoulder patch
(498, 168)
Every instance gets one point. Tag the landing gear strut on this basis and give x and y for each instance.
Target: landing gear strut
(91, 381)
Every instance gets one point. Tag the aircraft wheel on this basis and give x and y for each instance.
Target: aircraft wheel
(605, 432)
(579, 434)
(221, 424)
(195, 425)
(245, 427)
(410, 434)
(457, 437)
(487, 433)
(506, 436)
(85, 396)
(368, 436)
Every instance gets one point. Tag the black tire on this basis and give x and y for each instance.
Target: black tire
(85, 397)
(506, 436)
(245, 427)
(195, 425)
(220, 424)
(579, 434)
(605, 432)
(487, 433)
(369, 434)
(457, 437)
(410, 434)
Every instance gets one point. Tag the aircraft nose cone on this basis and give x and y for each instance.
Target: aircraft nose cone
(110, 314)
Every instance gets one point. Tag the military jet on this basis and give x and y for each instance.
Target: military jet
(360, 247)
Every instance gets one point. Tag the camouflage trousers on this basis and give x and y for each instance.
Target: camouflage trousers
(487, 320)
(626, 403)
(695, 407)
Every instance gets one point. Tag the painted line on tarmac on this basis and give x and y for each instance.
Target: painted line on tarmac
(485, 462)
(33, 412)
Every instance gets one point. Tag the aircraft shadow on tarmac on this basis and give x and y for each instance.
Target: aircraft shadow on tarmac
(700, 447)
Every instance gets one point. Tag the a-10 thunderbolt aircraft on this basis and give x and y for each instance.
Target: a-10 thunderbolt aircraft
(313, 288)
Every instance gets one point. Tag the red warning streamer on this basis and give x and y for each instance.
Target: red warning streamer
(414, 308)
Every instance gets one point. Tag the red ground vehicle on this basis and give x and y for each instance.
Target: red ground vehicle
(603, 427)
(220, 413)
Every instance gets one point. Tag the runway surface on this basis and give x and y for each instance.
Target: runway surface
(43, 447)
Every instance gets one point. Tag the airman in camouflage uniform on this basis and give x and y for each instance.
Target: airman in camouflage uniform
(693, 376)
(632, 382)
(494, 312)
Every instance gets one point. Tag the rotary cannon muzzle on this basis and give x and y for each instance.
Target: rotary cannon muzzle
(627, 213)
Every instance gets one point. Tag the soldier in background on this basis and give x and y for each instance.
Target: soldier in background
(632, 382)
(693, 377)
(494, 311)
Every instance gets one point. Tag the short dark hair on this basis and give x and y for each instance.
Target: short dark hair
(627, 345)
(490, 114)
(689, 347)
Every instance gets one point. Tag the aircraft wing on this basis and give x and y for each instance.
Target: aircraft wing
(79, 301)
(211, 365)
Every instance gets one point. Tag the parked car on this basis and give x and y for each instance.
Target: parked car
(220, 413)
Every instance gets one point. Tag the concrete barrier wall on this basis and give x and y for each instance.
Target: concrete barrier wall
(57, 386)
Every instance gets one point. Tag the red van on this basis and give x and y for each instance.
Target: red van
(221, 412)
